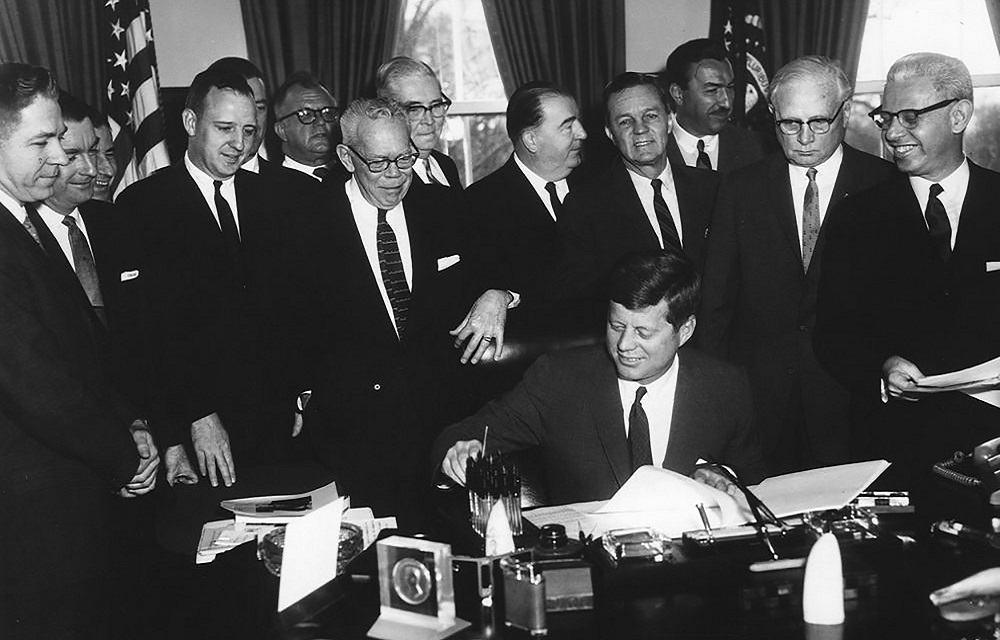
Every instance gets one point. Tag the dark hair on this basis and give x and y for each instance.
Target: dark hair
(242, 66)
(524, 109)
(683, 59)
(214, 79)
(630, 79)
(645, 278)
(302, 79)
(74, 109)
(20, 84)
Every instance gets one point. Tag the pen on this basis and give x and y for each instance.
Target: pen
(704, 521)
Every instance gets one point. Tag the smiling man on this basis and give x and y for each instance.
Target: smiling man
(762, 265)
(599, 413)
(910, 271)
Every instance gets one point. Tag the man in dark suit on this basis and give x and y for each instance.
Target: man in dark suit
(208, 234)
(700, 84)
(513, 211)
(643, 202)
(415, 85)
(65, 430)
(910, 285)
(762, 265)
(599, 413)
(305, 120)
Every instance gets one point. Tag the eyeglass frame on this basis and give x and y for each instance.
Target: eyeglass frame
(879, 112)
(444, 102)
(415, 155)
(828, 122)
(305, 112)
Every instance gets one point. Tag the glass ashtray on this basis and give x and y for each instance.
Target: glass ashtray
(272, 546)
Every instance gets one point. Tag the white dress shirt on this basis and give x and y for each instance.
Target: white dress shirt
(826, 178)
(658, 403)
(688, 144)
(14, 206)
(366, 219)
(252, 164)
(538, 184)
(54, 221)
(421, 170)
(303, 168)
(206, 184)
(952, 197)
(644, 188)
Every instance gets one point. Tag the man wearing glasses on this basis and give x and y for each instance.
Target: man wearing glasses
(762, 265)
(911, 285)
(305, 117)
(415, 86)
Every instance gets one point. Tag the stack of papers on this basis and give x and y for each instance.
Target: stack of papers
(268, 509)
(981, 382)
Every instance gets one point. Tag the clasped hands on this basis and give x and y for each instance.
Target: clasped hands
(144, 479)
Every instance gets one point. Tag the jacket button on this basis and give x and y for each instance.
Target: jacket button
(377, 387)
(803, 327)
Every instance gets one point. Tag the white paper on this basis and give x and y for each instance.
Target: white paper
(244, 507)
(370, 525)
(220, 536)
(309, 559)
(499, 539)
(818, 489)
(980, 381)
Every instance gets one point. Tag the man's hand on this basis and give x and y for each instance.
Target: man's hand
(454, 461)
(711, 477)
(483, 326)
(144, 479)
(211, 445)
(179, 467)
(899, 378)
(979, 585)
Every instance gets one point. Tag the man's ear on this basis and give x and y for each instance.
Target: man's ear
(607, 132)
(529, 140)
(686, 330)
(961, 114)
(190, 121)
(279, 130)
(344, 155)
(676, 94)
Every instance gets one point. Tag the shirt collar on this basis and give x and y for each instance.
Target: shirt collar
(956, 182)
(13, 205)
(689, 142)
(537, 181)
(292, 163)
(360, 204)
(203, 180)
(252, 164)
(51, 214)
(642, 182)
(656, 386)
(829, 167)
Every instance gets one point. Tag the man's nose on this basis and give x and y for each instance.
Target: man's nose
(806, 135)
(726, 99)
(89, 165)
(626, 341)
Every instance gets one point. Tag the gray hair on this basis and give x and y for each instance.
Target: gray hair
(370, 109)
(812, 67)
(397, 69)
(949, 76)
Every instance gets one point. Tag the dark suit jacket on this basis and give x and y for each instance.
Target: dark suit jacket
(604, 220)
(738, 147)
(64, 439)
(758, 306)
(568, 404)
(377, 400)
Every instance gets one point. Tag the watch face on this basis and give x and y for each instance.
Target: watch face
(412, 581)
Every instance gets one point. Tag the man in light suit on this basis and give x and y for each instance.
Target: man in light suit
(65, 430)
(763, 260)
(700, 83)
(643, 202)
(598, 413)
(910, 285)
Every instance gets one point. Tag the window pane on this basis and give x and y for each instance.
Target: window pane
(483, 138)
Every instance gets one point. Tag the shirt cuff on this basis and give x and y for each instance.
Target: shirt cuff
(516, 299)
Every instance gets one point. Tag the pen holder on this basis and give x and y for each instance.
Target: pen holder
(490, 481)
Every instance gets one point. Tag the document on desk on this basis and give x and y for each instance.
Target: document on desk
(982, 382)
(818, 489)
(309, 559)
(271, 509)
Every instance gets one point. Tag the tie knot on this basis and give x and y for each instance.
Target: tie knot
(936, 190)
(381, 215)
(69, 220)
(218, 185)
(811, 174)
(640, 393)
(657, 183)
(551, 188)
(701, 146)
(321, 172)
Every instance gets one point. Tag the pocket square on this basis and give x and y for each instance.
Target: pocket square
(129, 275)
(992, 266)
(449, 261)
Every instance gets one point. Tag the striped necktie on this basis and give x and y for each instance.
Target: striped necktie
(668, 230)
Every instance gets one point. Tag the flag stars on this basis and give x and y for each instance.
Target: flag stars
(116, 29)
(125, 92)
(111, 90)
(121, 60)
(113, 4)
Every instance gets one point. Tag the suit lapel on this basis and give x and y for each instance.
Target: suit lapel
(58, 263)
(521, 191)
(780, 191)
(689, 404)
(607, 412)
(633, 218)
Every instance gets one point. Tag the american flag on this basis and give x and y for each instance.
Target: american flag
(738, 25)
(132, 94)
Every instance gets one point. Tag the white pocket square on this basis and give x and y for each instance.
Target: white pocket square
(129, 275)
(449, 261)
(992, 266)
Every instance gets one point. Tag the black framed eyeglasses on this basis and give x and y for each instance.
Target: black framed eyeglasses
(308, 116)
(818, 126)
(438, 108)
(909, 118)
(403, 162)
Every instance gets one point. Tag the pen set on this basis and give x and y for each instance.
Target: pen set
(492, 479)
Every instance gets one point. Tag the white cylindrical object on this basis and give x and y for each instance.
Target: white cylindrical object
(823, 587)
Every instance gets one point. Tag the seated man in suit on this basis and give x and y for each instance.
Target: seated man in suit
(700, 84)
(415, 85)
(643, 202)
(305, 120)
(910, 285)
(599, 413)
(514, 210)
(762, 265)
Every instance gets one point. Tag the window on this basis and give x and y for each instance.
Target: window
(959, 28)
(451, 36)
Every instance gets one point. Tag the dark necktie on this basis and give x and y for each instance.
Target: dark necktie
(226, 221)
(430, 173)
(667, 228)
(554, 199)
(321, 172)
(938, 225)
(29, 226)
(391, 266)
(640, 452)
(703, 162)
(810, 218)
(83, 264)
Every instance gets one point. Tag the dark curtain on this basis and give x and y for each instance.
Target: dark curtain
(993, 8)
(342, 43)
(61, 36)
(832, 28)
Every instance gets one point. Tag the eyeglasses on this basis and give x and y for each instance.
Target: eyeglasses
(816, 125)
(308, 116)
(415, 111)
(403, 162)
(909, 118)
